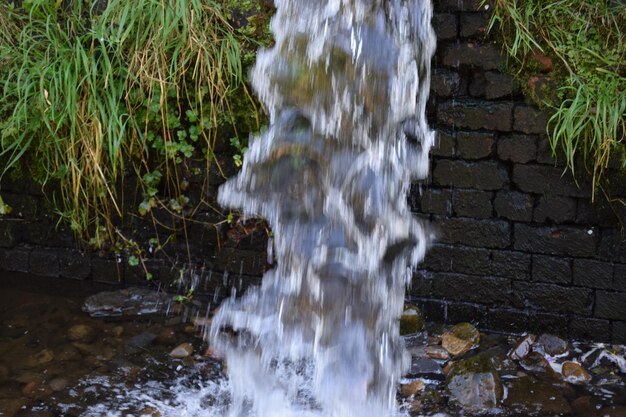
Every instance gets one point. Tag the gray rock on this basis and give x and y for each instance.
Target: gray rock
(474, 384)
(127, 302)
(426, 368)
(552, 345)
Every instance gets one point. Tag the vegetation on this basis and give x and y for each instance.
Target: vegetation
(586, 41)
(99, 96)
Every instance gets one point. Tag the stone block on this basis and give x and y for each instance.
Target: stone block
(74, 265)
(593, 274)
(14, 260)
(478, 84)
(556, 208)
(475, 289)
(486, 56)
(564, 240)
(612, 246)
(619, 332)
(546, 156)
(472, 203)
(24, 206)
(445, 25)
(421, 284)
(44, 262)
(476, 233)
(599, 213)
(528, 119)
(499, 85)
(517, 321)
(510, 264)
(107, 271)
(445, 144)
(514, 206)
(435, 201)
(474, 145)
(480, 175)
(517, 148)
(555, 298)
(610, 305)
(466, 312)
(475, 115)
(445, 83)
(474, 25)
(241, 261)
(557, 270)
(542, 179)
(8, 233)
(582, 328)
(619, 277)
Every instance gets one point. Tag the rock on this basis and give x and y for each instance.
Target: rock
(474, 383)
(28, 376)
(140, 342)
(182, 351)
(523, 348)
(529, 396)
(426, 368)
(436, 352)
(460, 339)
(551, 345)
(535, 362)
(575, 374)
(167, 336)
(127, 302)
(67, 353)
(586, 406)
(4, 373)
(10, 407)
(81, 333)
(58, 384)
(150, 412)
(100, 352)
(39, 358)
(117, 331)
(412, 320)
(36, 390)
(412, 388)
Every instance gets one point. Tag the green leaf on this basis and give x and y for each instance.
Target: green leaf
(133, 261)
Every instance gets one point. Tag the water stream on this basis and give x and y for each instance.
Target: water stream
(345, 86)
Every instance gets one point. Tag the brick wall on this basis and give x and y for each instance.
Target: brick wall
(520, 246)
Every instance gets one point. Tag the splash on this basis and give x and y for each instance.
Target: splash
(346, 86)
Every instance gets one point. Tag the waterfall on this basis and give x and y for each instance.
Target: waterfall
(346, 86)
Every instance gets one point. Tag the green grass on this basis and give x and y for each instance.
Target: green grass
(587, 42)
(96, 99)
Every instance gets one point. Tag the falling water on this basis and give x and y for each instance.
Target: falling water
(346, 86)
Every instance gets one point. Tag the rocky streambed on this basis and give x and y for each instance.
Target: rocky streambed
(144, 355)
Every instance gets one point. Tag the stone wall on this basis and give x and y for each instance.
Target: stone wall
(520, 245)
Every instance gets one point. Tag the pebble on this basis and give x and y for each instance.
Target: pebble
(523, 348)
(182, 351)
(552, 345)
(575, 374)
(460, 339)
(58, 384)
(39, 358)
(81, 333)
(412, 320)
(436, 352)
(411, 388)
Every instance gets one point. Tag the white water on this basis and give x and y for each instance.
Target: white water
(346, 87)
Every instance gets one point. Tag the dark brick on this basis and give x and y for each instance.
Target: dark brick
(619, 332)
(480, 175)
(8, 237)
(457, 5)
(612, 246)
(24, 206)
(422, 284)
(551, 269)
(446, 83)
(474, 145)
(445, 25)
(445, 144)
(619, 278)
(479, 55)
(555, 298)
(529, 120)
(556, 208)
(472, 203)
(474, 24)
(581, 328)
(483, 290)
(610, 305)
(446, 258)
(107, 271)
(593, 274)
(475, 115)
(44, 262)
(542, 179)
(546, 156)
(241, 261)
(15, 260)
(510, 264)
(435, 201)
(478, 84)
(499, 85)
(514, 206)
(564, 240)
(599, 213)
(518, 321)
(517, 148)
(465, 312)
(434, 310)
(476, 233)
(74, 265)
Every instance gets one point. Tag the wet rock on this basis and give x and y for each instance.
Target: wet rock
(150, 412)
(140, 342)
(167, 336)
(10, 407)
(575, 374)
(39, 358)
(4, 373)
(36, 390)
(67, 353)
(535, 362)
(58, 384)
(426, 368)
(586, 406)
(411, 388)
(81, 333)
(127, 302)
(474, 384)
(552, 345)
(100, 352)
(529, 396)
(412, 320)
(436, 352)
(182, 351)
(460, 339)
(614, 411)
(523, 348)
(117, 331)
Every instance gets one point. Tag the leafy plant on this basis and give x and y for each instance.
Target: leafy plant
(587, 42)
